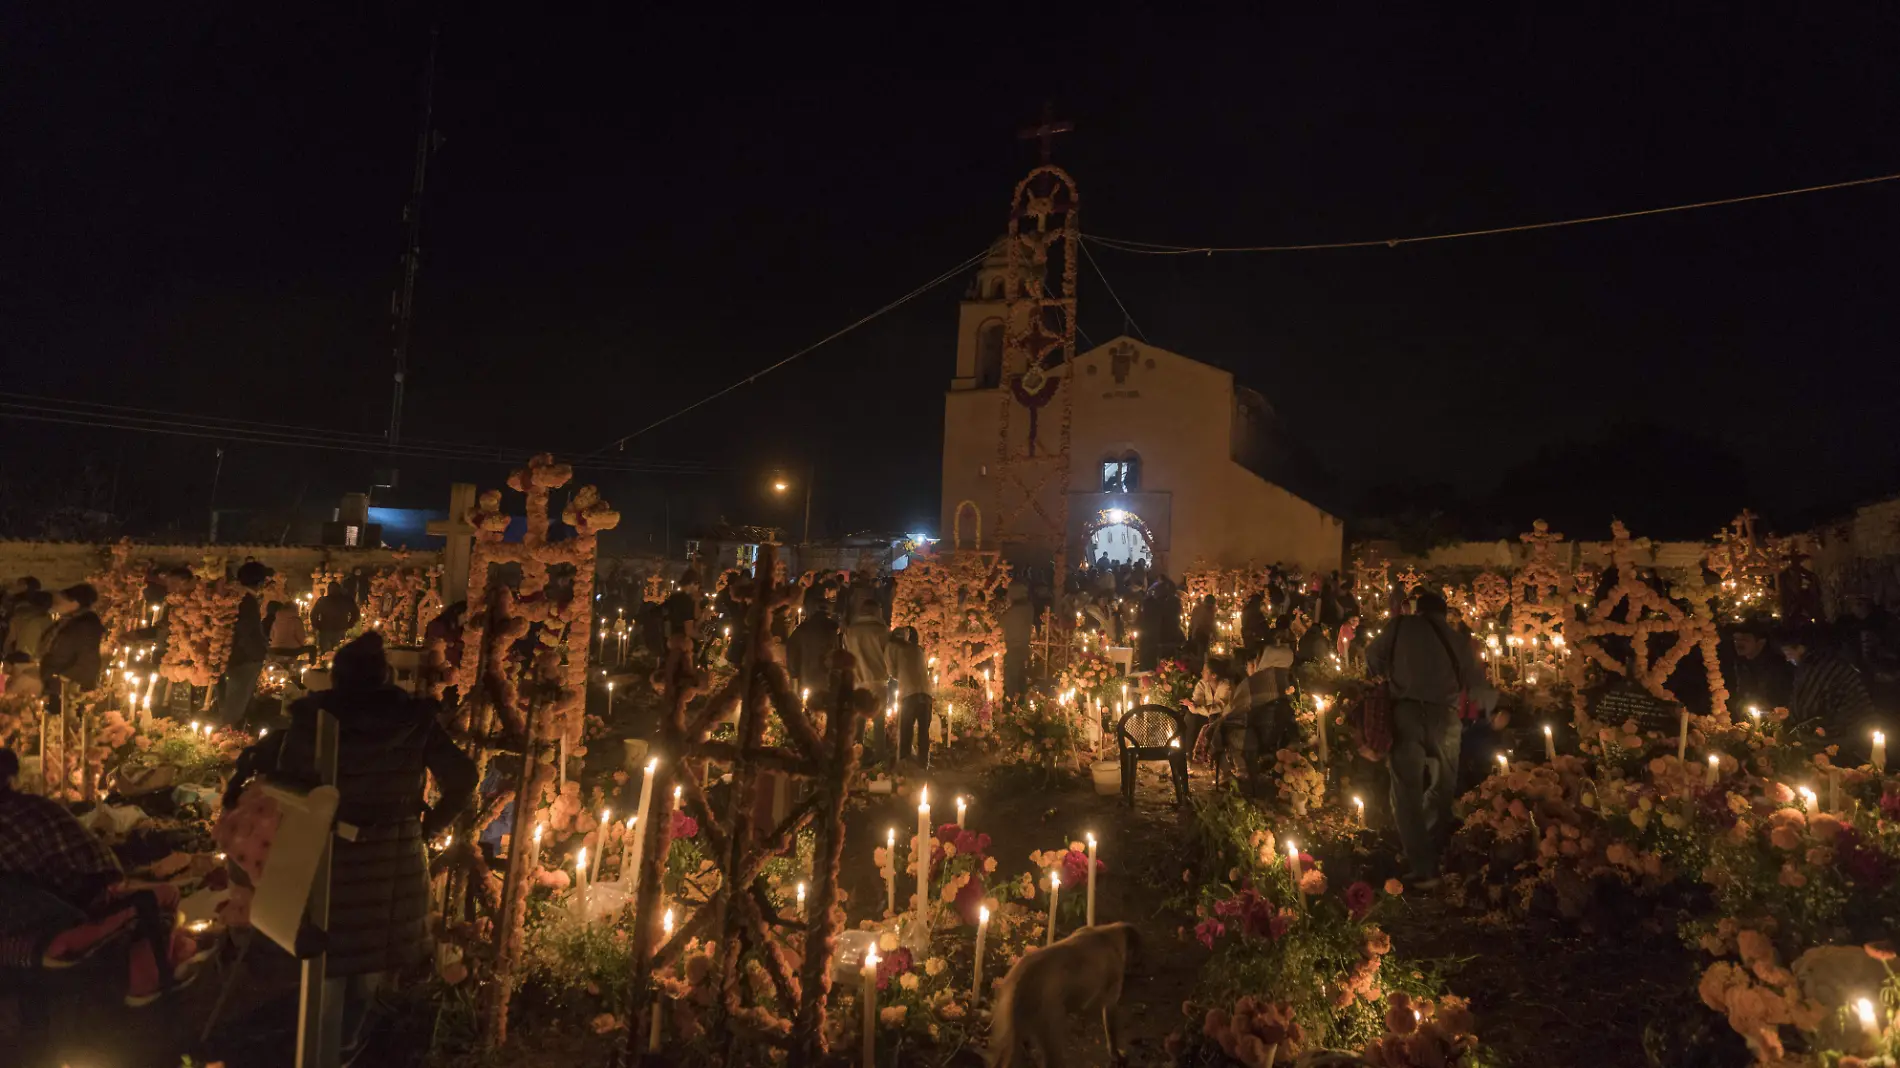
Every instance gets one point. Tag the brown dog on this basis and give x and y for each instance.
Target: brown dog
(1081, 974)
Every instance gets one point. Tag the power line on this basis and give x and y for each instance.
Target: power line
(1151, 248)
(828, 338)
(82, 414)
(1126, 318)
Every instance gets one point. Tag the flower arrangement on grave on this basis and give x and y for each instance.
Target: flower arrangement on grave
(1093, 679)
(960, 868)
(1301, 785)
(1170, 684)
(1071, 865)
(202, 621)
(120, 582)
(1035, 732)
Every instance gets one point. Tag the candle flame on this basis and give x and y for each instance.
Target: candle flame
(870, 959)
(580, 860)
(1546, 730)
(1879, 738)
(923, 797)
(1055, 879)
(1091, 838)
(666, 921)
(1358, 802)
(982, 914)
(630, 822)
(653, 765)
(1865, 1007)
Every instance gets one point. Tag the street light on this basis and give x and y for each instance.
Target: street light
(782, 484)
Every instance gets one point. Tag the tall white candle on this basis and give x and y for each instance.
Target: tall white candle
(890, 872)
(1319, 720)
(1293, 865)
(1055, 898)
(869, 998)
(641, 823)
(580, 880)
(982, 925)
(626, 851)
(923, 857)
(1880, 752)
(1869, 1022)
(653, 1029)
(960, 807)
(1715, 769)
(1682, 738)
(537, 847)
(1550, 745)
(801, 901)
(1091, 904)
(610, 699)
(1359, 809)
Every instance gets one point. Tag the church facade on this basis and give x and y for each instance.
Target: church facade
(1170, 460)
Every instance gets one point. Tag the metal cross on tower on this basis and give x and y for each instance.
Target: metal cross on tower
(1048, 130)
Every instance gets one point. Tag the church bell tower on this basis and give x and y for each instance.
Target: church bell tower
(980, 324)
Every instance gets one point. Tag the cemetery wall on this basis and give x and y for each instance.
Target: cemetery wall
(62, 563)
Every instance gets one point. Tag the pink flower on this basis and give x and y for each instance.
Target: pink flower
(684, 826)
(1359, 898)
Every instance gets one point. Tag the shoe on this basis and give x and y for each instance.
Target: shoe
(183, 976)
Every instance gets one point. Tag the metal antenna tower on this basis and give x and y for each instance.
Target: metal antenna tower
(402, 304)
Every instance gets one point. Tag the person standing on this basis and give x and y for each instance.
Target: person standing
(250, 647)
(69, 651)
(1428, 669)
(28, 621)
(388, 746)
(914, 699)
(333, 615)
(808, 652)
(868, 642)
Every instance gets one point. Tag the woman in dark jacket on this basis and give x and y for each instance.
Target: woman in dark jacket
(388, 742)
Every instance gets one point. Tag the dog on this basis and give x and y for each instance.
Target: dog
(1083, 973)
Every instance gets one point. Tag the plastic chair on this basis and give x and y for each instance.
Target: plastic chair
(1152, 732)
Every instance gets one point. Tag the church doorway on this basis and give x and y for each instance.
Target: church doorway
(1121, 537)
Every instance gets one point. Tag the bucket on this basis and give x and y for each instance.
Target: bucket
(1108, 777)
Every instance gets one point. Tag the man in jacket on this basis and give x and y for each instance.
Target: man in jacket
(1428, 668)
(1019, 622)
(250, 647)
(333, 615)
(867, 640)
(1828, 692)
(914, 699)
(809, 649)
(1762, 676)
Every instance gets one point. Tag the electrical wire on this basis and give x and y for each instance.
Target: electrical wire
(1127, 318)
(78, 415)
(1150, 248)
(827, 339)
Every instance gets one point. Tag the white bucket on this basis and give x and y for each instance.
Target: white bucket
(1108, 777)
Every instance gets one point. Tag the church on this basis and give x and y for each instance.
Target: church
(1171, 461)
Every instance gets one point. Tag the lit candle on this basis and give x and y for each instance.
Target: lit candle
(982, 925)
(653, 1030)
(537, 846)
(801, 900)
(1754, 713)
(1320, 721)
(1880, 752)
(1868, 1021)
(804, 697)
(890, 871)
(961, 804)
(641, 823)
(1091, 905)
(923, 857)
(580, 880)
(869, 998)
(1359, 809)
(626, 850)
(600, 847)
(1682, 738)
(1293, 865)
(1810, 803)
(1055, 896)
(1504, 764)
(1550, 745)
(610, 698)
(1715, 769)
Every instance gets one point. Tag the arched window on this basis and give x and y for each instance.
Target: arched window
(989, 355)
(1122, 475)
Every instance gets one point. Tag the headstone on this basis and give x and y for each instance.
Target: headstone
(1626, 700)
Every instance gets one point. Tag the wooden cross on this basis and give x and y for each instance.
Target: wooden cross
(457, 529)
(1047, 131)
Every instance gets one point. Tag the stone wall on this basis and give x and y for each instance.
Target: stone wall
(62, 563)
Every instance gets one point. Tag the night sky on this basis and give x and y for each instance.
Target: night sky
(627, 213)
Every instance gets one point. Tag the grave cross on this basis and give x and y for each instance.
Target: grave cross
(457, 529)
(1047, 131)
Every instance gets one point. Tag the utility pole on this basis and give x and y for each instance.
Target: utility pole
(403, 303)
